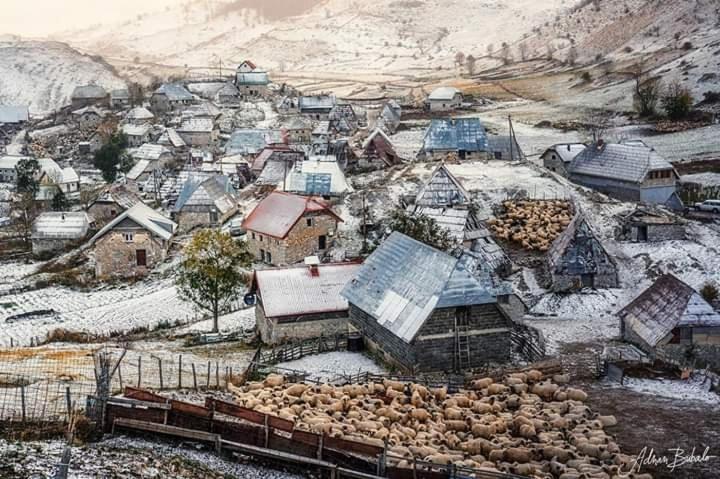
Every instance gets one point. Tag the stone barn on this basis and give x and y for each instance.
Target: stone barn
(649, 225)
(558, 158)
(112, 201)
(205, 200)
(577, 260)
(422, 310)
(285, 228)
(301, 302)
(378, 151)
(54, 232)
(464, 138)
(132, 244)
(672, 320)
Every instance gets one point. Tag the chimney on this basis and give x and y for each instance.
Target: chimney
(312, 262)
(568, 147)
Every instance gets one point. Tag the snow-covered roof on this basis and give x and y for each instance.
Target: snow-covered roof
(251, 141)
(404, 281)
(172, 138)
(14, 114)
(253, 78)
(143, 216)
(207, 190)
(205, 109)
(444, 93)
(138, 169)
(277, 214)
(667, 304)
(316, 102)
(228, 90)
(297, 290)
(61, 225)
(297, 123)
(196, 125)
(175, 92)
(566, 151)
(92, 109)
(120, 195)
(47, 165)
(136, 130)
(456, 134)
(149, 151)
(89, 92)
(619, 162)
(442, 189)
(140, 113)
(121, 94)
(69, 175)
(317, 177)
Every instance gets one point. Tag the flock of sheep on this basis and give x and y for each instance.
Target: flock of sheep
(526, 424)
(532, 224)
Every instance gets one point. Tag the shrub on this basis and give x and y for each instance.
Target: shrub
(586, 77)
(687, 46)
(710, 292)
(677, 101)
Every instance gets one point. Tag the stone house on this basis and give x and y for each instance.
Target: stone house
(136, 134)
(558, 158)
(464, 138)
(672, 321)
(112, 201)
(647, 224)
(88, 95)
(629, 172)
(53, 181)
(577, 259)
(198, 131)
(89, 117)
(170, 97)
(317, 107)
(444, 99)
(205, 200)
(132, 244)
(299, 130)
(301, 302)
(139, 115)
(378, 151)
(284, 228)
(252, 84)
(422, 310)
(120, 98)
(505, 148)
(53, 232)
(318, 176)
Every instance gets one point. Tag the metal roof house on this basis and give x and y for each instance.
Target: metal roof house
(170, 97)
(628, 172)
(252, 141)
(205, 200)
(444, 99)
(650, 224)
(505, 148)
(670, 317)
(577, 259)
(87, 95)
(318, 176)
(285, 228)
(303, 301)
(464, 137)
(424, 311)
(558, 158)
(378, 151)
(55, 231)
(318, 107)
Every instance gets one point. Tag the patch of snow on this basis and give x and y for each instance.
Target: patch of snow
(242, 319)
(690, 390)
(326, 366)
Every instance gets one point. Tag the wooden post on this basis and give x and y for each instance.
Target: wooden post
(160, 369)
(207, 386)
(194, 377)
(230, 374)
(180, 372)
(267, 432)
(139, 383)
(217, 375)
(321, 445)
(22, 401)
(120, 377)
(68, 404)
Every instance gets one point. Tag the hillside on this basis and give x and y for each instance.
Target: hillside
(44, 74)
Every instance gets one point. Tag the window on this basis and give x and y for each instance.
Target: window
(128, 237)
(253, 235)
(141, 257)
(213, 216)
(309, 222)
(322, 242)
(268, 257)
(262, 255)
(261, 238)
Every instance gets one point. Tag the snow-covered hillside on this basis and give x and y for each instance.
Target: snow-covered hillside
(44, 74)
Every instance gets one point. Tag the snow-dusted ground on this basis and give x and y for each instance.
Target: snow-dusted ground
(705, 179)
(127, 457)
(326, 366)
(242, 319)
(691, 390)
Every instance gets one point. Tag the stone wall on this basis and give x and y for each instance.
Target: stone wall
(702, 356)
(114, 257)
(42, 247)
(252, 90)
(301, 242)
(275, 331)
(388, 346)
(103, 213)
(554, 163)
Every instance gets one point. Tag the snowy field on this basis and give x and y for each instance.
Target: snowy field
(325, 367)
(690, 390)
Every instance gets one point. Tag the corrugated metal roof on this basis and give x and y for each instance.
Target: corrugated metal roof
(138, 169)
(316, 102)
(172, 138)
(444, 93)
(149, 151)
(278, 212)
(404, 280)
(175, 92)
(315, 176)
(197, 125)
(566, 151)
(442, 189)
(253, 78)
(664, 306)
(251, 141)
(88, 92)
(457, 134)
(14, 114)
(619, 162)
(294, 291)
(578, 250)
(61, 225)
(144, 216)
(207, 190)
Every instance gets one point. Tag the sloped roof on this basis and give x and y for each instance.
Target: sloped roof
(90, 109)
(316, 102)
(149, 151)
(253, 78)
(196, 125)
(14, 114)
(90, 92)
(228, 89)
(317, 177)
(664, 306)
(444, 93)
(69, 175)
(577, 249)
(145, 217)
(277, 214)
(204, 109)
(207, 190)
(456, 134)
(61, 225)
(620, 162)
(297, 123)
(442, 189)
(566, 151)
(404, 281)
(119, 194)
(172, 138)
(505, 145)
(138, 169)
(251, 141)
(136, 130)
(293, 291)
(175, 92)
(123, 93)
(140, 113)
(391, 112)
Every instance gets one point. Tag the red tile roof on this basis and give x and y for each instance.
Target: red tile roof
(278, 213)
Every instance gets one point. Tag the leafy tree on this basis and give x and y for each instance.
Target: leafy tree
(710, 292)
(211, 272)
(677, 101)
(27, 173)
(59, 202)
(422, 228)
(109, 157)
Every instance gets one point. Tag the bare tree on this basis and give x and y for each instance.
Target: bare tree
(470, 64)
(572, 55)
(523, 49)
(647, 93)
(459, 58)
(596, 124)
(490, 50)
(506, 54)
(550, 48)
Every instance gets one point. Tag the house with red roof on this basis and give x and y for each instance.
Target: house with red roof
(285, 228)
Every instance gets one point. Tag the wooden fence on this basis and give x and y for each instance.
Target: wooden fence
(269, 437)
